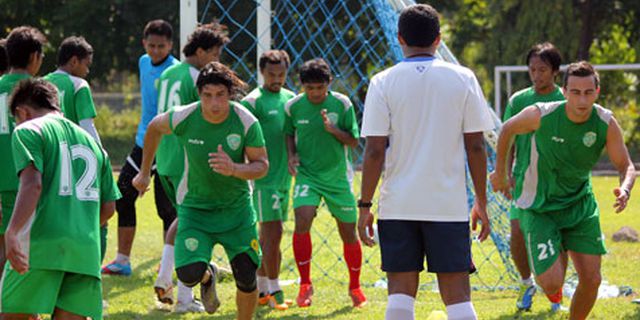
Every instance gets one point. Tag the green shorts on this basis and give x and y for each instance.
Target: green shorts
(576, 228)
(341, 204)
(515, 213)
(170, 185)
(8, 199)
(41, 291)
(271, 204)
(195, 241)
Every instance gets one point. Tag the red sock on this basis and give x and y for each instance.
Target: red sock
(556, 297)
(302, 254)
(353, 257)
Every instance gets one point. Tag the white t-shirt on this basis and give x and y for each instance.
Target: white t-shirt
(425, 106)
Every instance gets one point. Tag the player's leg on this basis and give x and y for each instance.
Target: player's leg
(589, 279)
(519, 257)
(165, 207)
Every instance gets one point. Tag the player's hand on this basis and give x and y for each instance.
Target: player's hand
(622, 197)
(17, 258)
(479, 211)
(294, 162)
(365, 223)
(221, 163)
(141, 183)
(328, 125)
(500, 184)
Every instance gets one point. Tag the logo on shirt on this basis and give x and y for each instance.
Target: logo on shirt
(557, 139)
(589, 139)
(333, 117)
(255, 245)
(191, 244)
(303, 121)
(273, 112)
(421, 69)
(233, 140)
(196, 141)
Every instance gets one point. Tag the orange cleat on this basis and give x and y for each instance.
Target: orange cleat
(263, 299)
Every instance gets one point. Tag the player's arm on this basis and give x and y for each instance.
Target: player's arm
(527, 120)
(158, 127)
(25, 207)
(477, 161)
(256, 167)
(107, 210)
(620, 159)
(374, 154)
(344, 137)
(292, 154)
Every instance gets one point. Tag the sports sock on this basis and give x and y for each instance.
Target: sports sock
(263, 285)
(527, 282)
(556, 297)
(400, 306)
(353, 257)
(166, 264)
(122, 259)
(274, 285)
(185, 294)
(461, 311)
(302, 253)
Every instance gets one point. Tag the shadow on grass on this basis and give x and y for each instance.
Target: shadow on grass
(301, 313)
(117, 284)
(547, 314)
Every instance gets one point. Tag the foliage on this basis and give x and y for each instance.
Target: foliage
(117, 131)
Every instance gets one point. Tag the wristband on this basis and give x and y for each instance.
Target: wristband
(364, 204)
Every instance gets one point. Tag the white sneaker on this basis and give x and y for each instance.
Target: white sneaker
(191, 306)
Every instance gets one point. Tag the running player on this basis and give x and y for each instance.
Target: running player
(214, 206)
(321, 128)
(271, 194)
(544, 62)
(558, 209)
(54, 254)
(24, 49)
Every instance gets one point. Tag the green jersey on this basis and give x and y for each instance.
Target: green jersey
(324, 160)
(8, 179)
(268, 107)
(76, 101)
(76, 178)
(522, 144)
(562, 154)
(177, 87)
(201, 187)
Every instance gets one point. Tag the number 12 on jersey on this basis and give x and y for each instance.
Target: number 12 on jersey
(84, 190)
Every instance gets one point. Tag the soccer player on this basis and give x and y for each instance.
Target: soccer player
(271, 193)
(321, 128)
(420, 117)
(559, 211)
(224, 147)
(544, 62)
(24, 49)
(54, 254)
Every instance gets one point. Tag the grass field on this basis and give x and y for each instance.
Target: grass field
(132, 297)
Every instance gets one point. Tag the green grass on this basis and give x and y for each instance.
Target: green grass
(133, 298)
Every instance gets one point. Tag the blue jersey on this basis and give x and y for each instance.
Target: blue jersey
(149, 75)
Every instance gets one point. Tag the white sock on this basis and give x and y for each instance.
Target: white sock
(400, 307)
(165, 274)
(274, 285)
(527, 282)
(122, 259)
(263, 284)
(185, 294)
(461, 311)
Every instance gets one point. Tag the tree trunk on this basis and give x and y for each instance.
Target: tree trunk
(585, 8)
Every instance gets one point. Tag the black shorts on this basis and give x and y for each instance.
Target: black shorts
(404, 245)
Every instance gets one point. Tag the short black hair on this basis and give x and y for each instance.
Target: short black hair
(158, 27)
(548, 53)
(206, 36)
(315, 71)
(581, 69)
(419, 25)
(22, 42)
(273, 57)
(217, 73)
(73, 47)
(36, 93)
(4, 59)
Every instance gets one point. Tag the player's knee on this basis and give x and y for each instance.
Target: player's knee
(191, 274)
(244, 272)
(126, 213)
(591, 280)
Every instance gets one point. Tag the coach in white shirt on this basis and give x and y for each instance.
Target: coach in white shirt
(420, 117)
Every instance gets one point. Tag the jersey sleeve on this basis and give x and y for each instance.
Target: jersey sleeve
(288, 122)
(254, 137)
(27, 148)
(84, 104)
(349, 122)
(108, 188)
(476, 113)
(376, 120)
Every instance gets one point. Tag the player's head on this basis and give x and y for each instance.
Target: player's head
(217, 85)
(316, 77)
(419, 27)
(581, 86)
(205, 44)
(32, 98)
(157, 40)
(25, 49)
(544, 62)
(273, 67)
(4, 59)
(75, 55)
